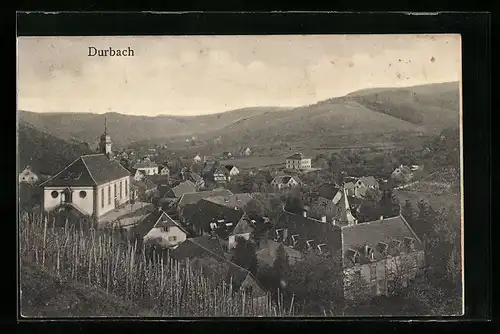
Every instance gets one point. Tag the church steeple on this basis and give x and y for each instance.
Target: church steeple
(105, 142)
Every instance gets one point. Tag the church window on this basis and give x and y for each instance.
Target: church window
(54, 194)
(109, 195)
(114, 186)
(83, 194)
(121, 189)
(126, 188)
(102, 198)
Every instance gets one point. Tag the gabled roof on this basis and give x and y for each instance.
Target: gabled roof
(166, 221)
(355, 237)
(146, 163)
(206, 212)
(328, 191)
(88, 170)
(198, 247)
(229, 167)
(284, 179)
(195, 197)
(209, 247)
(145, 183)
(232, 201)
(158, 179)
(143, 228)
(243, 226)
(183, 188)
(296, 156)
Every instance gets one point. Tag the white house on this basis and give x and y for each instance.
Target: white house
(146, 166)
(243, 229)
(197, 158)
(28, 176)
(93, 184)
(285, 181)
(247, 151)
(165, 232)
(298, 161)
(164, 170)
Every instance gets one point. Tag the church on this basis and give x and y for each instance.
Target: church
(93, 184)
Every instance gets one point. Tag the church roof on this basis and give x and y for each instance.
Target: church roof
(88, 170)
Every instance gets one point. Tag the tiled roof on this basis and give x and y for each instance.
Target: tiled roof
(308, 229)
(198, 247)
(183, 188)
(89, 170)
(296, 156)
(145, 164)
(166, 221)
(372, 234)
(195, 197)
(369, 181)
(229, 167)
(243, 226)
(235, 200)
(328, 191)
(209, 248)
(147, 223)
(206, 212)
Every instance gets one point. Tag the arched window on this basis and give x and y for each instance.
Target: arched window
(121, 186)
(126, 188)
(102, 197)
(109, 194)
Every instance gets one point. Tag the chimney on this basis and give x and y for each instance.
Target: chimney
(323, 219)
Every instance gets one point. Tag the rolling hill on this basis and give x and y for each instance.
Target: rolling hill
(44, 152)
(366, 116)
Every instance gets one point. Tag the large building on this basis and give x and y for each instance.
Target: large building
(93, 184)
(298, 161)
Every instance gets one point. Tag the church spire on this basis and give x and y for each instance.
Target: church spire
(105, 142)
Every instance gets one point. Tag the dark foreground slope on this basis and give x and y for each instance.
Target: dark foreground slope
(43, 295)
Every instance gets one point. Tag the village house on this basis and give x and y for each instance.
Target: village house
(243, 229)
(344, 207)
(165, 231)
(298, 161)
(205, 254)
(375, 258)
(197, 158)
(147, 166)
(285, 181)
(145, 189)
(28, 176)
(226, 155)
(194, 197)
(363, 184)
(180, 189)
(93, 184)
(402, 173)
(139, 175)
(240, 201)
(247, 152)
(233, 171)
(196, 179)
(164, 170)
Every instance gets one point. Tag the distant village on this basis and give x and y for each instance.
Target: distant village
(192, 211)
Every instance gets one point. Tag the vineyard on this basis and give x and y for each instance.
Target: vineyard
(165, 287)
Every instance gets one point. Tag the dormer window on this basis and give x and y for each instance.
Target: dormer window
(410, 244)
(370, 253)
(352, 255)
(295, 239)
(321, 248)
(213, 226)
(310, 244)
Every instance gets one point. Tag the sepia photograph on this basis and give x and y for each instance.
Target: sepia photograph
(240, 176)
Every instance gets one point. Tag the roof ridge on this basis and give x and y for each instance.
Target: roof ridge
(62, 170)
(88, 170)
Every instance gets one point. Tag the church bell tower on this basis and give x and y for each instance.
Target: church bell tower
(105, 142)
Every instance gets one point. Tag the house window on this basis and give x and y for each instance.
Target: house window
(109, 195)
(172, 238)
(102, 198)
(126, 188)
(83, 194)
(121, 189)
(114, 186)
(54, 194)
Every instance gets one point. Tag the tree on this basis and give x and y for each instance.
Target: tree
(281, 264)
(244, 255)
(408, 213)
(389, 204)
(369, 209)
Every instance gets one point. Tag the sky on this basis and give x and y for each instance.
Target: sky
(193, 75)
